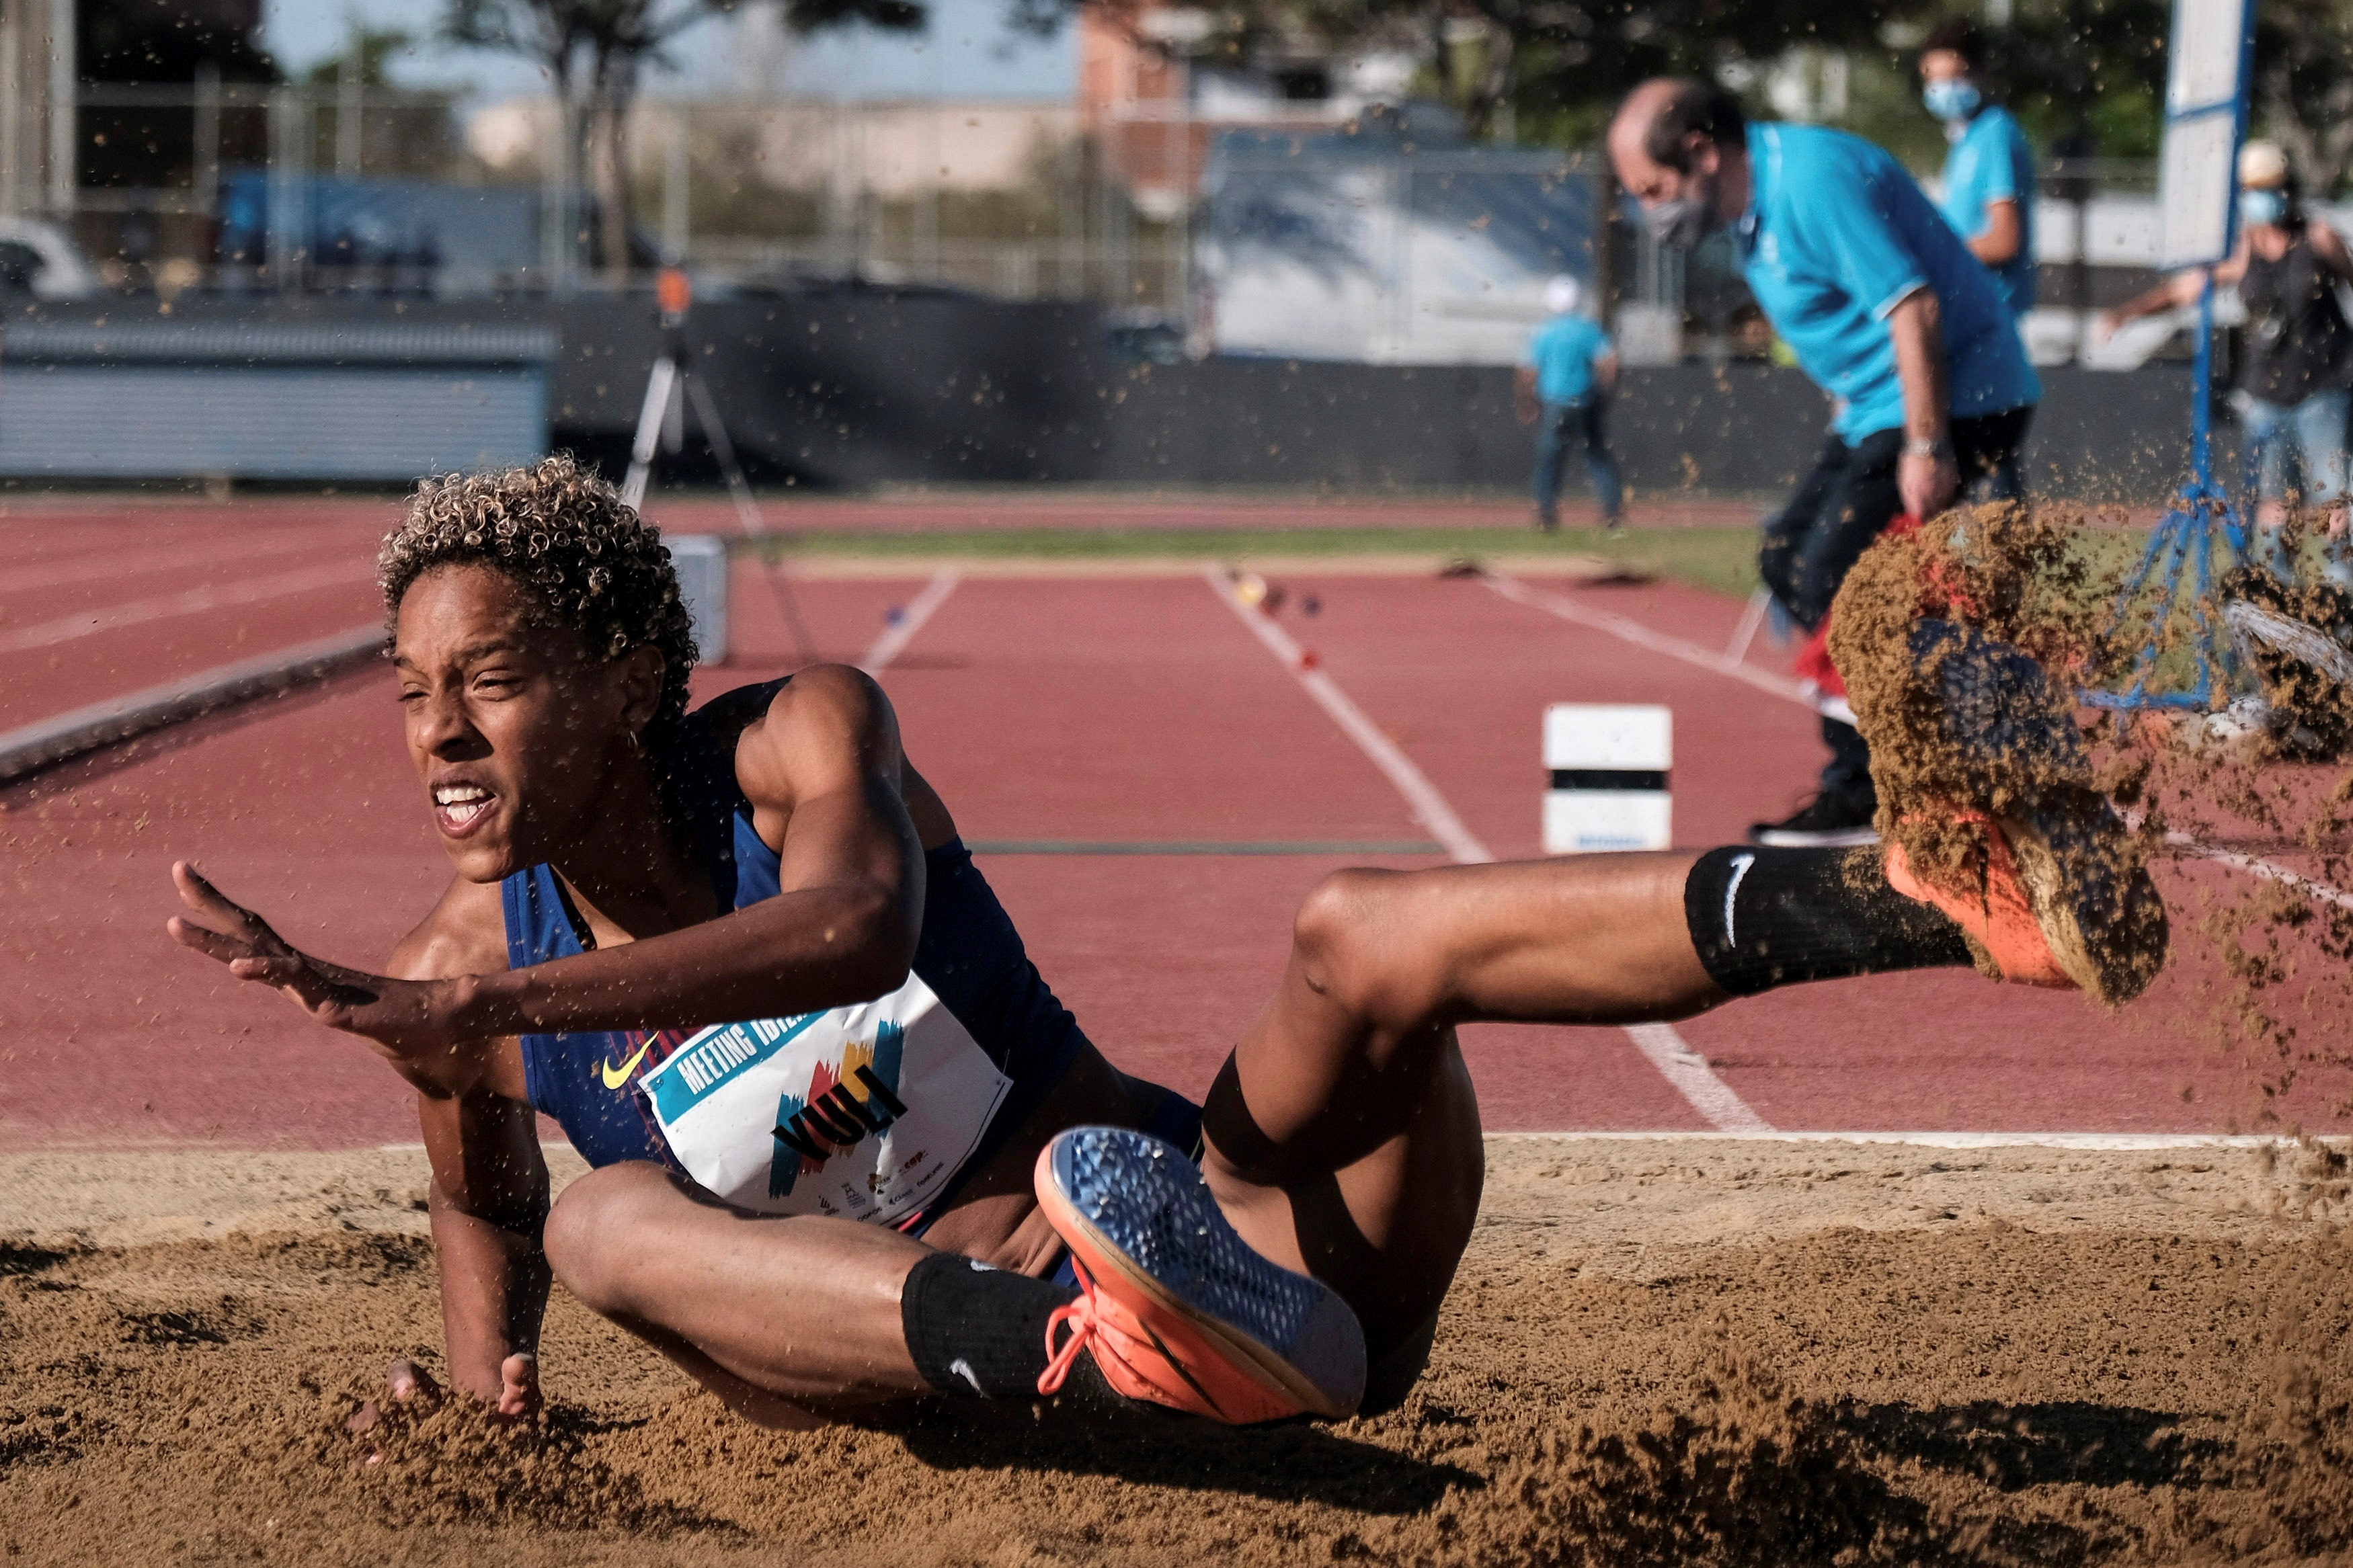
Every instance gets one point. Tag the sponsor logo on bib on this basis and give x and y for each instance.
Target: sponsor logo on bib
(865, 1111)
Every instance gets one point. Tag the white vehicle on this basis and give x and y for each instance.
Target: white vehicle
(36, 258)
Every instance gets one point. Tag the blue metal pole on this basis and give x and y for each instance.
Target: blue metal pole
(2201, 375)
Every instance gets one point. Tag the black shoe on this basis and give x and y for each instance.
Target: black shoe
(1825, 822)
(1546, 524)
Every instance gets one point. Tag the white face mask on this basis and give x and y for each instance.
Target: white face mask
(1681, 223)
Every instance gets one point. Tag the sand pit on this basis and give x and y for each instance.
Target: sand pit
(1687, 1351)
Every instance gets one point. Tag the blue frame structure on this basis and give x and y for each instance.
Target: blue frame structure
(2180, 551)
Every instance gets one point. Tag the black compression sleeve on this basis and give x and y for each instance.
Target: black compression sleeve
(980, 1333)
(1763, 918)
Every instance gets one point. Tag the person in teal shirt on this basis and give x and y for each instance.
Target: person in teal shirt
(1563, 380)
(1989, 170)
(1885, 310)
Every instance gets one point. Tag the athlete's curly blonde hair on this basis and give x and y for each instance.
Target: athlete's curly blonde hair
(585, 561)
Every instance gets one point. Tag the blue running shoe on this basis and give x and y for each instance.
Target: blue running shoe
(1174, 1305)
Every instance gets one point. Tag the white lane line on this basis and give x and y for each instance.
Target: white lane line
(1663, 1046)
(133, 562)
(2118, 1140)
(1429, 808)
(1787, 688)
(1752, 620)
(164, 607)
(1685, 1069)
(921, 608)
(1796, 691)
(2264, 870)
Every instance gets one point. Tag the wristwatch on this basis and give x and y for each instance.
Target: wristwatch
(1941, 446)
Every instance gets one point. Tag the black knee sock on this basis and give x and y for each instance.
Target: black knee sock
(980, 1333)
(1762, 918)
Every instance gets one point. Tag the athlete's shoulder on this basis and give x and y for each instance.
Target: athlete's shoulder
(823, 725)
(465, 934)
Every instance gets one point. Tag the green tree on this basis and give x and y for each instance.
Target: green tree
(2303, 85)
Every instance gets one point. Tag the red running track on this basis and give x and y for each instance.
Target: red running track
(99, 601)
(1066, 709)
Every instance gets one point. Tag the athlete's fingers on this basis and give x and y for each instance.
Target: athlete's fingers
(201, 896)
(206, 941)
(407, 1379)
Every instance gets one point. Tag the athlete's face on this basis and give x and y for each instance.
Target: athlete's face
(514, 730)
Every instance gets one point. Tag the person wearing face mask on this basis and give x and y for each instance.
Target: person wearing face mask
(1886, 310)
(2296, 379)
(1988, 178)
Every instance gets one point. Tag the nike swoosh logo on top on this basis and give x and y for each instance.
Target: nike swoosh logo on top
(616, 1077)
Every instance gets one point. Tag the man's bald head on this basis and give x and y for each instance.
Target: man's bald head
(1680, 148)
(1668, 119)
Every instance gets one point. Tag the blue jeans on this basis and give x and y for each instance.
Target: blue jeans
(2311, 432)
(1557, 425)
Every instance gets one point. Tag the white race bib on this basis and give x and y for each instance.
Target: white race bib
(861, 1113)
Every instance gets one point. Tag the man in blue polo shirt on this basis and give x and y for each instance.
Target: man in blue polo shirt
(1989, 177)
(1989, 168)
(1884, 308)
(1563, 382)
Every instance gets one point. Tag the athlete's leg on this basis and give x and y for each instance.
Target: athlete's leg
(1343, 1136)
(785, 1316)
(806, 1308)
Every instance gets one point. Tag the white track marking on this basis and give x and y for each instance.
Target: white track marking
(2120, 1140)
(2327, 893)
(2124, 1142)
(1626, 630)
(1685, 1069)
(1761, 604)
(921, 608)
(1796, 691)
(118, 562)
(164, 607)
(1665, 1049)
(1429, 808)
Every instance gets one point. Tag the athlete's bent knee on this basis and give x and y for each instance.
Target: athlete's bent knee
(589, 1229)
(1357, 943)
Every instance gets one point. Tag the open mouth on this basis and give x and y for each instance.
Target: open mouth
(459, 808)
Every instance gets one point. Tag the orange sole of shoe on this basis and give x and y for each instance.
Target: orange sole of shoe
(1238, 1350)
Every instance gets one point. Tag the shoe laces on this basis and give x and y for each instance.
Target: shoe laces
(1078, 1314)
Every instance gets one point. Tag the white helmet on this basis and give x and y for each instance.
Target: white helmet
(1562, 295)
(2262, 165)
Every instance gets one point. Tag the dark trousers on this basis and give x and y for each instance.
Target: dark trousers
(1839, 508)
(1558, 426)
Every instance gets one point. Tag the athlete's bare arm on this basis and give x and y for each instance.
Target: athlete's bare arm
(489, 1197)
(823, 770)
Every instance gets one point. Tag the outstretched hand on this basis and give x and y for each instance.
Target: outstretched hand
(404, 1019)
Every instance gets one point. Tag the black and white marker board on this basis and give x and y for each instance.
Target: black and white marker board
(2206, 80)
(1609, 765)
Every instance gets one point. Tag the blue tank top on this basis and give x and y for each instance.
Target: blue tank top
(967, 952)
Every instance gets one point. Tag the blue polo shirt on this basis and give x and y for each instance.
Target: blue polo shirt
(1562, 353)
(1990, 162)
(1835, 236)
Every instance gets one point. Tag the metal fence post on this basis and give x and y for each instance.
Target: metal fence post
(555, 214)
(12, 66)
(350, 121)
(207, 139)
(65, 145)
(676, 169)
(290, 187)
